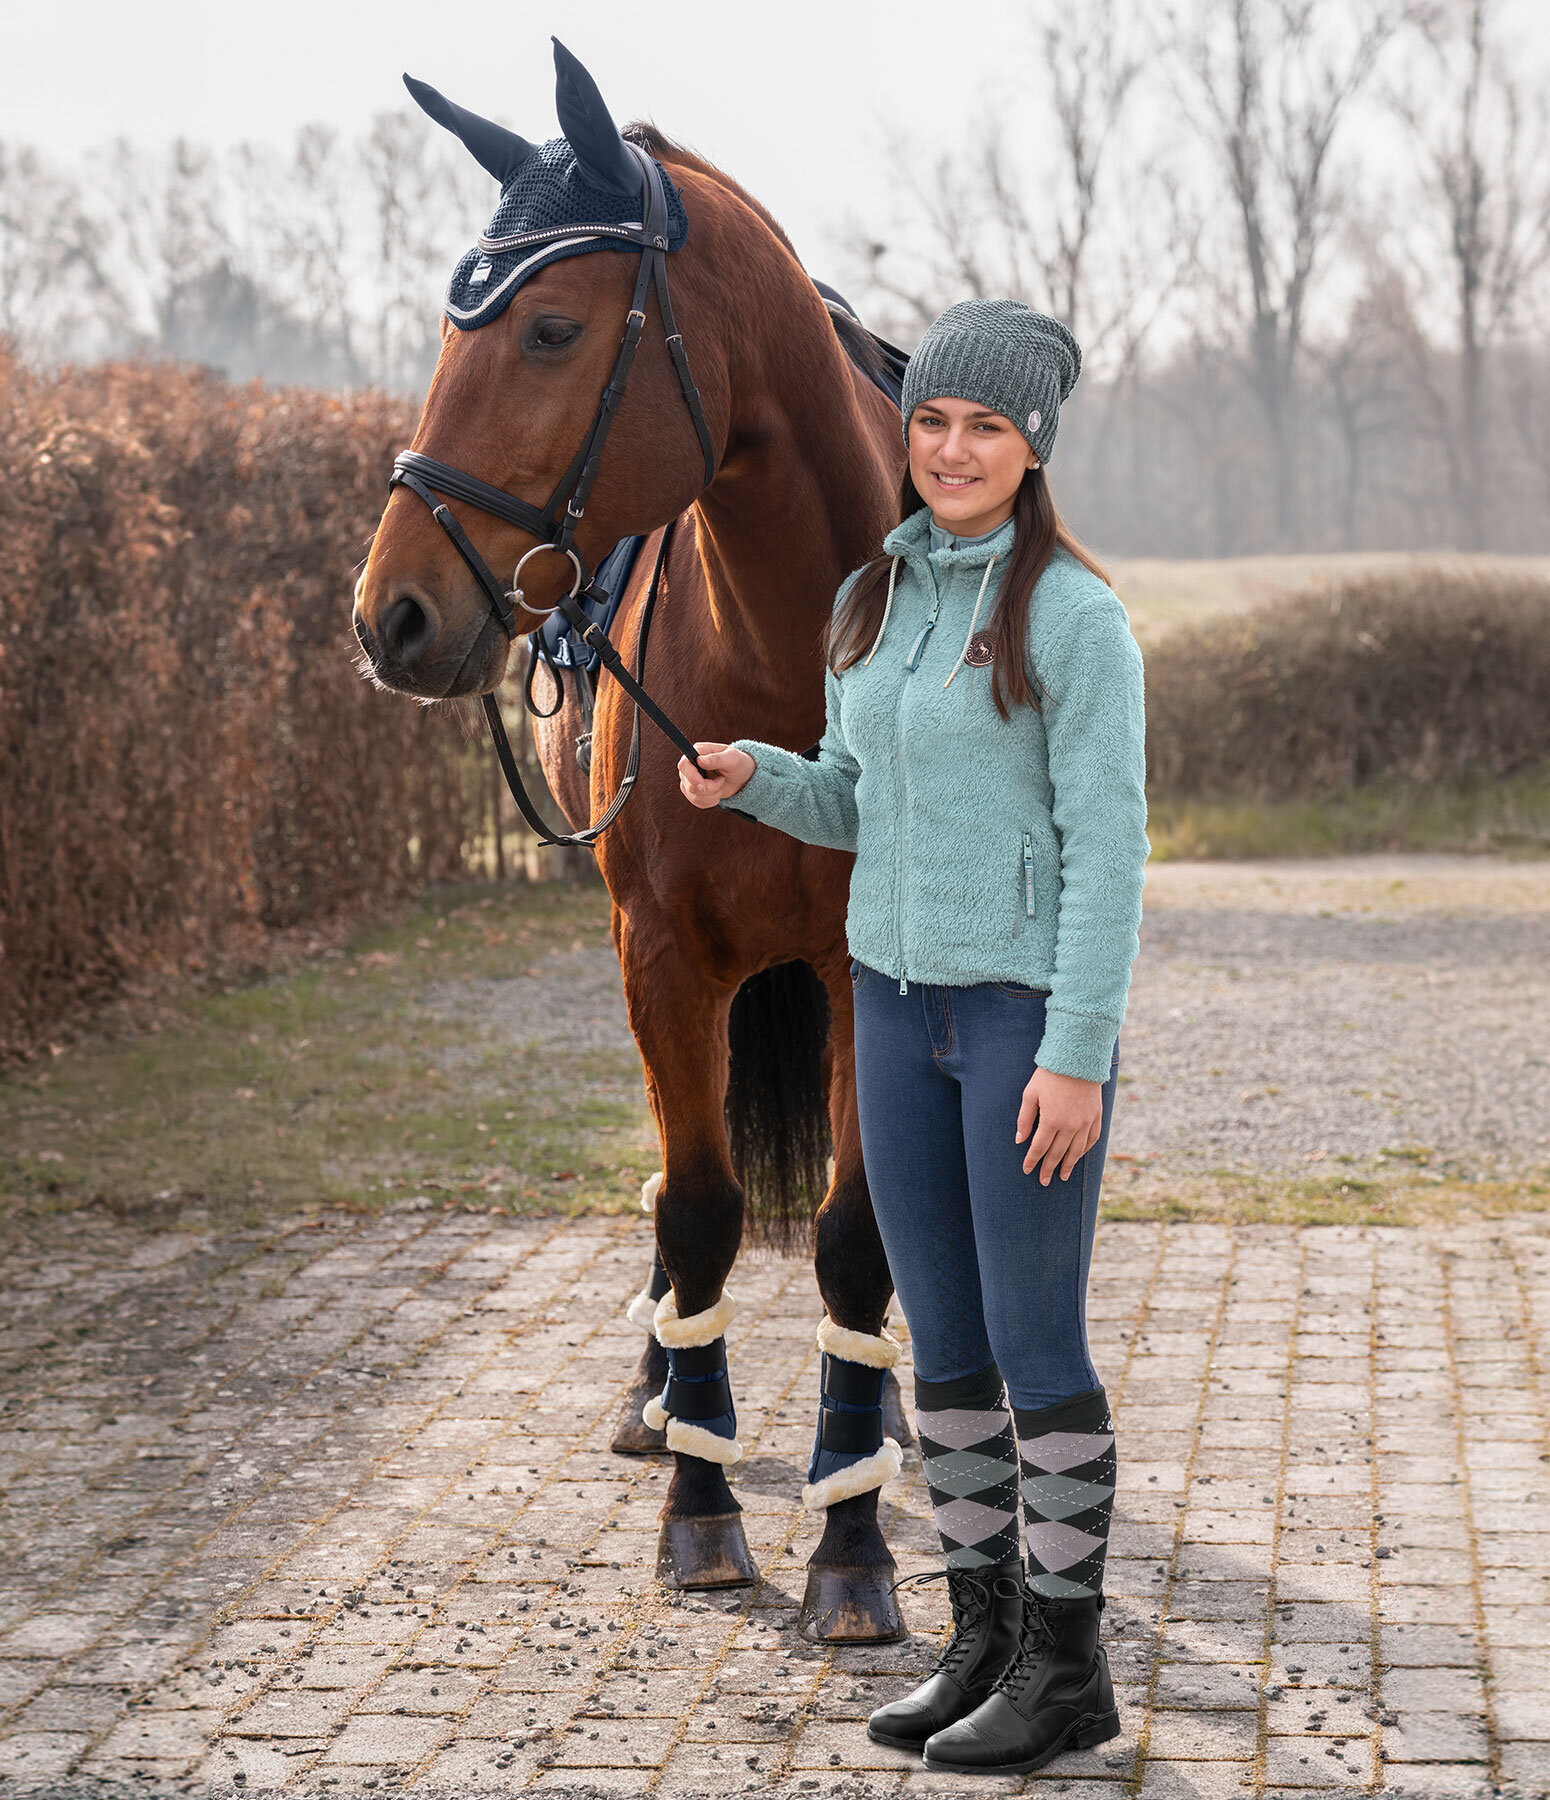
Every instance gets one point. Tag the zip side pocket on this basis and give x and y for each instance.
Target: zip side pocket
(1028, 872)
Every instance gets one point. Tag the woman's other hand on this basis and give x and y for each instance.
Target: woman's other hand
(727, 771)
(1069, 1113)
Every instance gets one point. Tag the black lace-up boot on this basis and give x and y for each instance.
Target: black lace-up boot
(1055, 1695)
(987, 1615)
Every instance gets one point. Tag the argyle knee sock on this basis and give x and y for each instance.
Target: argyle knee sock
(969, 1456)
(1067, 1453)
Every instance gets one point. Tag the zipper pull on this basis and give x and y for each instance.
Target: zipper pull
(1028, 871)
(912, 661)
(904, 986)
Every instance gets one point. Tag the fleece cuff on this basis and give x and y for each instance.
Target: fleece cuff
(699, 1328)
(854, 1478)
(1079, 1044)
(880, 1352)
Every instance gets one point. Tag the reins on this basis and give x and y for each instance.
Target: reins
(554, 524)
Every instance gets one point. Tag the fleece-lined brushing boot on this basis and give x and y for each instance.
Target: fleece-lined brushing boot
(1056, 1695)
(987, 1608)
(695, 1409)
(850, 1453)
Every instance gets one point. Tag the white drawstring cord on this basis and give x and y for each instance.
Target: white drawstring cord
(973, 617)
(893, 574)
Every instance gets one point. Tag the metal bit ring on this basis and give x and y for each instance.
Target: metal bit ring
(516, 596)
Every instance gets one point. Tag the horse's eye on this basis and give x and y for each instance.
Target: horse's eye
(553, 334)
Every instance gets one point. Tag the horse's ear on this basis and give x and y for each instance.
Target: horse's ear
(589, 128)
(495, 148)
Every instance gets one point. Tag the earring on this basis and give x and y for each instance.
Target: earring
(1035, 464)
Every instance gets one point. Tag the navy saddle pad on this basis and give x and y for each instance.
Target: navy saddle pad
(559, 643)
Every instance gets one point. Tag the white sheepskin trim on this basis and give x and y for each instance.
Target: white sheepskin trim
(698, 1328)
(695, 1440)
(641, 1311)
(856, 1346)
(859, 1478)
(654, 1413)
(649, 1189)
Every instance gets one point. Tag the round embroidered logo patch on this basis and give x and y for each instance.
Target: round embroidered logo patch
(1034, 420)
(979, 654)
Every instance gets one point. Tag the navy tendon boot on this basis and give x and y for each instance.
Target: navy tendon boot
(695, 1408)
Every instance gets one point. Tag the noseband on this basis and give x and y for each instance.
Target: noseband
(554, 524)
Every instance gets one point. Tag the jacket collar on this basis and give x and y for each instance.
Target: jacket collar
(912, 541)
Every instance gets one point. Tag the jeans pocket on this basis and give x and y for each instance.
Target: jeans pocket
(1018, 990)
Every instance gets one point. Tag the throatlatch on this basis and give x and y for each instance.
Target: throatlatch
(850, 1454)
(695, 1409)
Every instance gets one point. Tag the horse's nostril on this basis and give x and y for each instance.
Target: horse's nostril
(407, 630)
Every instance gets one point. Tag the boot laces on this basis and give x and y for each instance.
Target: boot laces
(969, 1595)
(1035, 1639)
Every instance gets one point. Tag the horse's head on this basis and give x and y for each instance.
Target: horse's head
(529, 339)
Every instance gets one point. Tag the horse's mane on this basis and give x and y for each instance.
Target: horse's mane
(855, 339)
(658, 144)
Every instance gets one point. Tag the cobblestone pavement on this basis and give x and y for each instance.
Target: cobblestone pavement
(329, 1508)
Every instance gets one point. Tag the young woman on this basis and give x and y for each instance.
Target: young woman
(983, 758)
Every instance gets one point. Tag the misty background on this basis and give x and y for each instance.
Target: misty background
(1305, 244)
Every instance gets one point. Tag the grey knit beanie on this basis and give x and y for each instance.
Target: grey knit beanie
(1003, 355)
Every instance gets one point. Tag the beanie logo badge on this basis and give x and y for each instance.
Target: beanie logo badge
(1033, 420)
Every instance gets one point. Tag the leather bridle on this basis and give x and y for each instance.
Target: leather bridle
(554, 524)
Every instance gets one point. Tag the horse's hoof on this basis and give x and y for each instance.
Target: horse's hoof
(632, 1435)
(850, 1606)
(895, 1424)
(705, 1553)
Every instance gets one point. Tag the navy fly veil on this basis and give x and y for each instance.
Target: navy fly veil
(548, 194)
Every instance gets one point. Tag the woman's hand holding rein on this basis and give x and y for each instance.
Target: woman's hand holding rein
(729, 771)
(1069, 1112)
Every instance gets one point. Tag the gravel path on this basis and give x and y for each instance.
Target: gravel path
(1401, 1003)
(1281, 1015)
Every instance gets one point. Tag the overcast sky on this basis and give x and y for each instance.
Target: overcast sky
(792, 99)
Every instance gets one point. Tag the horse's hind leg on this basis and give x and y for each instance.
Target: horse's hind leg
(849, 1597)
(699, 1219)
(632, 1435)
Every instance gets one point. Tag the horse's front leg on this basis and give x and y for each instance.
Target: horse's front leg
(681, 1029)
(861, 1429)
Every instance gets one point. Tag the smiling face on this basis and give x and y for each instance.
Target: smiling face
(967, 464)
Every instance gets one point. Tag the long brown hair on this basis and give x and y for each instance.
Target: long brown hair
(1038, 532)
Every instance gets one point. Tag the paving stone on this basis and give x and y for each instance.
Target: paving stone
(351, 1552)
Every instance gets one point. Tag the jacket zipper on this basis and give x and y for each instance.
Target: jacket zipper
(911, 663)
(1028, 871)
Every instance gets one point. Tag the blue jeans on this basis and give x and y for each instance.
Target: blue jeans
(989, 1265)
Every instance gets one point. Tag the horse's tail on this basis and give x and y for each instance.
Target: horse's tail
(777, 1106)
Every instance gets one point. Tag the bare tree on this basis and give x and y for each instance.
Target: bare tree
(1483, 145)
(980, 222)
(1267, 86)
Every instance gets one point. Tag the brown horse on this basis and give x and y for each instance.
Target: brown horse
(708, 908)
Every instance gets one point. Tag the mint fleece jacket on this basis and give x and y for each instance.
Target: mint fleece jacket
(986, 849)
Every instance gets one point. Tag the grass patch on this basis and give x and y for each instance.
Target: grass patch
(337, 1083)
(1511, 818)
(1403, 1191)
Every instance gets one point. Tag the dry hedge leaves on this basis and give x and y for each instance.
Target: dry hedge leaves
(189, 757)
(1427, 679)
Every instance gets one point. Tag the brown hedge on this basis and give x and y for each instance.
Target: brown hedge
(188, 759)
(1434, 678)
